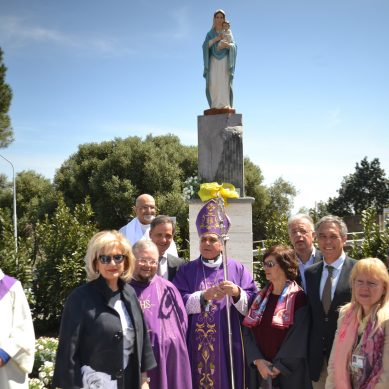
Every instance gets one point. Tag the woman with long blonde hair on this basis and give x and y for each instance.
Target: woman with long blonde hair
(360, 353)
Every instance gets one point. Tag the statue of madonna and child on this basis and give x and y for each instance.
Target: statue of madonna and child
(219, 52)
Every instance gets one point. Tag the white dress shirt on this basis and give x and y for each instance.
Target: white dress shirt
(337, 265)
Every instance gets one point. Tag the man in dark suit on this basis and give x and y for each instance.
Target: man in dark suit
(162, 231)
(327, 288)
(301, 234)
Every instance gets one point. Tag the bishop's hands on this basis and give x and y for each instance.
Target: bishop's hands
(214, 293)
(225, 288)
(230, 289)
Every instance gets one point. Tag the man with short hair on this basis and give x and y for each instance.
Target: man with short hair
(327, 288)
(166, 320)
(139, 227)
(301, 234)
(162, 230)
(203, 288)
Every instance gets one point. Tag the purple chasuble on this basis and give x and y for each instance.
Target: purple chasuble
(208, 333)
(167, 323)
(6, 284)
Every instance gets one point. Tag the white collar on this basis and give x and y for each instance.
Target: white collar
(212, 263)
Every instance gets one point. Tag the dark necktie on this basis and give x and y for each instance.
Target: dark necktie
(159, 266)
(326, 297)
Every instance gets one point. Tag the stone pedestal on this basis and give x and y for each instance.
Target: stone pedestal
(240, 244)
(220, 149)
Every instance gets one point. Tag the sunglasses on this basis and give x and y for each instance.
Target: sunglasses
(269, 264)
(106, 259)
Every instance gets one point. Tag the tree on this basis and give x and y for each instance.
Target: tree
(253, 183)
(6, 131)
(366, 187)
(113, 174)
(62, 241)
(17, 264)
(35, 197)
(375, 242)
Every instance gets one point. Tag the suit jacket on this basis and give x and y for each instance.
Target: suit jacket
(322, 331)
(173, 263)
(318, 258)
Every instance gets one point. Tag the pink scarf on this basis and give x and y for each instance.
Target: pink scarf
(284, 312)
(372, 347)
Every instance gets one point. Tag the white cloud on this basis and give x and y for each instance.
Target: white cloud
(334, 118)
(182, 23)
(21, 32)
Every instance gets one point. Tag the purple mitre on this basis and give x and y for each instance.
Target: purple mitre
(208, 219)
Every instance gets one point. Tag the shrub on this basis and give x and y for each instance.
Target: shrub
(42, 373)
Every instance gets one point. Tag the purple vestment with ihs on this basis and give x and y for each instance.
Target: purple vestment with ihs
(167, 323)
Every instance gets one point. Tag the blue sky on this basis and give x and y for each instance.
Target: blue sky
(311, 80)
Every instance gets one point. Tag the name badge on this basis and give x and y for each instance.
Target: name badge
(357, 361)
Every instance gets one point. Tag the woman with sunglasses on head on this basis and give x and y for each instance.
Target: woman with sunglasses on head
(103, 340)
(360, 353)
(276, 326)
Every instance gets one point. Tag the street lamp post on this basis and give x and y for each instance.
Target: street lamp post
(14, 214)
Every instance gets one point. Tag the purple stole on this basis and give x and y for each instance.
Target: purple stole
(5, 285)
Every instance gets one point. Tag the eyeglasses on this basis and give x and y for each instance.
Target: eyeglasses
(368, 284)
(106, 259)
(299, 232)
(269, 264)
(147, 261)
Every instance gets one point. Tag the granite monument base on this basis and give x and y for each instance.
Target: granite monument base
(220, 149)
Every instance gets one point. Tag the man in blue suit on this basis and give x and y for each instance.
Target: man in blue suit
(327, 288)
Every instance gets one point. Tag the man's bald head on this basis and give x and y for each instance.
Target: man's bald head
(145, 208)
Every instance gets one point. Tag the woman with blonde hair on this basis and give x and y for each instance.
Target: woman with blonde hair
(360, 353)
(103, 340)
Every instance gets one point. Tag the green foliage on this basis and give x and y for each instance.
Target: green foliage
(375, 243)
(318, 212)
(35, 197)
(113, 174)
(253, 182)
(6, 131)
(366, 187)
(18, 263)
(271, 203)
(62, 242)
(277, 231)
